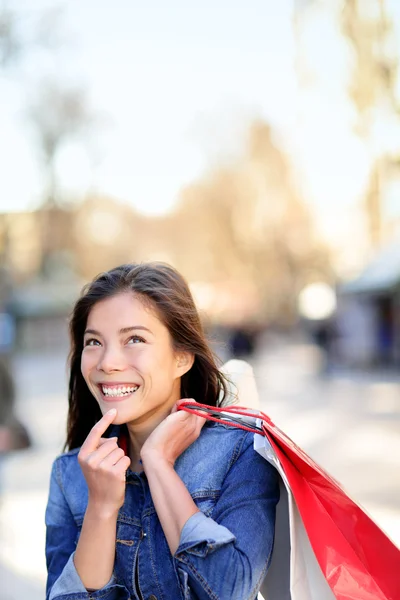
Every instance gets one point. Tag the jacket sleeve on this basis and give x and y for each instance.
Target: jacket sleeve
(63, 581)
(226, 557)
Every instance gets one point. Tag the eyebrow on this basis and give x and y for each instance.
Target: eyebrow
(121, 331)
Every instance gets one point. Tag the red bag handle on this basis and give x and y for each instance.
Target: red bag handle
(206, 411)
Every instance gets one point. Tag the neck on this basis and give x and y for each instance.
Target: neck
(140, 431)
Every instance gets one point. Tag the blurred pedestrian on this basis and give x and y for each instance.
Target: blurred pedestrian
(13, 434)
(149, 501)
(242, 343)
(324, 333)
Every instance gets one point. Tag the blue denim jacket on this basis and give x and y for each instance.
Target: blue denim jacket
(224, 550)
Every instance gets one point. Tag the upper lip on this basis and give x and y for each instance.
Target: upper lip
(118, 384)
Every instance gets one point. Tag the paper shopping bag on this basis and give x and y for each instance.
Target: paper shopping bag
(336, 550)
(294, 572)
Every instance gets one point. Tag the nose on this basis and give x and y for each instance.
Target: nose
(111, 360)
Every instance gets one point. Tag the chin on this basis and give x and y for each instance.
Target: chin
(122, 417)
(120, 420)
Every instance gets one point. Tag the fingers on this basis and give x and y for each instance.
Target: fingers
(200, 420)
(107, 458)
(189, 420)
(107, 445)
(196, 421)
(98, 455)
(177, 405)
(112, 458)
(184, 400)
(116, 463)
(104, 440)
(122, 465)
(93, 439)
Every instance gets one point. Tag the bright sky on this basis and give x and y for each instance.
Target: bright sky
(176, 83)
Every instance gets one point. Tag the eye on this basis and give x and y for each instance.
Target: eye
(91, 342)
(135, 339)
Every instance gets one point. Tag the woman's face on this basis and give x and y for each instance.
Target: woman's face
(128, 361)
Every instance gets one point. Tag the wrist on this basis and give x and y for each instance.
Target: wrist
(153, 459)
(101, 512)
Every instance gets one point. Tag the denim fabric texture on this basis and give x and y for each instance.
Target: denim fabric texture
(224, 550)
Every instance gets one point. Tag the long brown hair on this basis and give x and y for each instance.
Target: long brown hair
(168, 293)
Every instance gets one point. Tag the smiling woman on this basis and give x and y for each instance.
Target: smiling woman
(139, 372)
(150, 501)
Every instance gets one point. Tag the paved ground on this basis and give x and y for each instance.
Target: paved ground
(24, 476)
(350, 423)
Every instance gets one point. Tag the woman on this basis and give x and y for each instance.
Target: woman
(150, 502)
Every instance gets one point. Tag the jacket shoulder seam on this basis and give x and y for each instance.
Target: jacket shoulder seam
(238, 448)
(57, 464)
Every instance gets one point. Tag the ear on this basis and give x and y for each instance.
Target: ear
(184, 362)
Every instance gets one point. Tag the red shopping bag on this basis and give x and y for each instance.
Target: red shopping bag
(357, 560)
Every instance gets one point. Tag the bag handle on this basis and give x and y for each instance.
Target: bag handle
(226, 415)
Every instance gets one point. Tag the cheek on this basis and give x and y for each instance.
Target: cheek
(88, 361)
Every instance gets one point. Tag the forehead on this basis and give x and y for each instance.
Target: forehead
(123, 310)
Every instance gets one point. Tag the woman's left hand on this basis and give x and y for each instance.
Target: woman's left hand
(172, 436)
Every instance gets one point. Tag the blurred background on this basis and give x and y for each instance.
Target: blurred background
(255, 146)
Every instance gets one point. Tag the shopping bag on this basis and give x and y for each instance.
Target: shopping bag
(326, 546)
(242, 387)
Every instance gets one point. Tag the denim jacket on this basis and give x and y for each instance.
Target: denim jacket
(224, 550)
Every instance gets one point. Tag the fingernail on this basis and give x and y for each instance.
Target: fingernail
(112, 411)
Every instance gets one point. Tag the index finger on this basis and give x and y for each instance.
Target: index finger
(93, 439)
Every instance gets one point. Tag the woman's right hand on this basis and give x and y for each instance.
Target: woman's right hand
(104, 465)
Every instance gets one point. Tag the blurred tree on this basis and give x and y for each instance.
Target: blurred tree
(23, 32)
(58, 113)
(246, 223)
(371, 34)
(10, 51)
(10, 43)
(372, 88)
(105, 233)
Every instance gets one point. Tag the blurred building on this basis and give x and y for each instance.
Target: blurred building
(52, 252)
(368, 315)
(20, 243)
(41, 311)
(37, 251)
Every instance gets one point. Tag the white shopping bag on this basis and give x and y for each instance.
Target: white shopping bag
(294, 573)
(242, 388)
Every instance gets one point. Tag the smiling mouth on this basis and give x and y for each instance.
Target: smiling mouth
(120, 391)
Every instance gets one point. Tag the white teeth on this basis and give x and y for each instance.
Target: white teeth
(118, 391)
